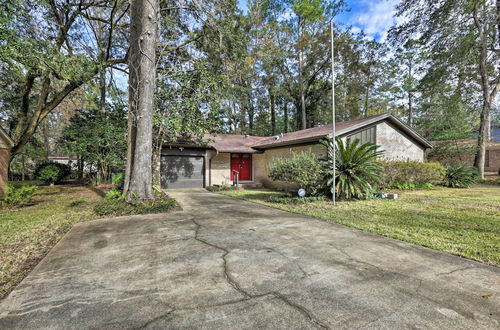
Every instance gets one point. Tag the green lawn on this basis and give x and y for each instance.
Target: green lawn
(463, 222)
(27, 234)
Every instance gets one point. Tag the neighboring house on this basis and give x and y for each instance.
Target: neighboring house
(495, 132)
(492, 156)
(62, 159)
(213, 160)
(5, 144)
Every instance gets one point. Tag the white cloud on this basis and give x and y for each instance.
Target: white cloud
(375, 17)
(355, 29)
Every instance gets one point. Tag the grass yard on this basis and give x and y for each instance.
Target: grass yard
(27, 234)
(464, 222)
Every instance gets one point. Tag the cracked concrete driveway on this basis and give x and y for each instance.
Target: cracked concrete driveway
(222, 263)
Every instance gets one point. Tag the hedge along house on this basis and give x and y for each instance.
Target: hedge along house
(5, 144)
(216, 158)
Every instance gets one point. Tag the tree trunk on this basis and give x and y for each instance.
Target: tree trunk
(251, 113)
(272, 104)
(46, 142)
(484, 127)
(285, 110)
(301, 82)
(102, 91)
(142, 69)
(81, 165)
(367, 94)
(480, 157)
(410, 96)
(23, 167)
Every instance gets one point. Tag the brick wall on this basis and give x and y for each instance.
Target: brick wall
(220, 168)
(4, 166)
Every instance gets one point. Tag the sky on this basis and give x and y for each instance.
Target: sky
(374, 17)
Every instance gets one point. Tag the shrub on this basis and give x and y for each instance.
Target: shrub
(18, 197)
(113, 194)
(302, 169)
(461, 176)
(357, 168)
(221, 188)
(410, 174)
(118, 180)
(51, 172)
(451, 152)
(120, 206)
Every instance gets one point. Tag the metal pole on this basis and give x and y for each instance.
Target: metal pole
(333, 109)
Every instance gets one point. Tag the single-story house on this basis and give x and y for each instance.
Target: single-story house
(5, 144)
(213, 160)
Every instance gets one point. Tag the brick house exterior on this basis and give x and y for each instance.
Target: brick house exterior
(5, 145)
(215, 159)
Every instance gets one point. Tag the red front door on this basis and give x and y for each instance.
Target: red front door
(243, 164)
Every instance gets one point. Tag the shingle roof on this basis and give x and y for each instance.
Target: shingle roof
(252, 144)
(317, 133)
(233, 142)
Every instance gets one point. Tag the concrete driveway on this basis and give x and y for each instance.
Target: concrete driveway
(223, 263)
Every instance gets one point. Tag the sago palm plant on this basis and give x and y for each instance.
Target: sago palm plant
(356, 167)
(461, 176)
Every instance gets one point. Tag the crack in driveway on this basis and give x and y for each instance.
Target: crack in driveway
(248, 296)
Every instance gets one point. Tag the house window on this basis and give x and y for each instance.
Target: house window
(366, 135)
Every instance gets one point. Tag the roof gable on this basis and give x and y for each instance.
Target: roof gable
(342, 128)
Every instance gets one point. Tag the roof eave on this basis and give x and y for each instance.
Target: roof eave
(350, 129)
(288, 143)
(410, 131)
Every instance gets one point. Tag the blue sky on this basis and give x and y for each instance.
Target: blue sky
(375, 17)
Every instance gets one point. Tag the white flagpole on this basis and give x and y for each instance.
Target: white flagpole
(333, 108)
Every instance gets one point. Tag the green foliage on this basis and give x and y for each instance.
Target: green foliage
(120, 206)
(98, 137)
(357, 168)
(221, 188)
(180, 96)
(410, 175)
(452, 152)
(461, 176)
(18, 197)
(113, 194)
(51, 172)
(302, 169)
(310, 9)
(118, 179)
